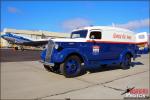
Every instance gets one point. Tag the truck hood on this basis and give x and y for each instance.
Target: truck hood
(69, 40)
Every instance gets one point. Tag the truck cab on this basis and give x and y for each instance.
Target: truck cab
(88, 48)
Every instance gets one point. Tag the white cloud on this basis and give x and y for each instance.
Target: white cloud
(71, 24)
(137, 24)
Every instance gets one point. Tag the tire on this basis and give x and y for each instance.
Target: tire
(22, 49)
(48, 68)
(16, 48)
(71, 67)
(52, 69)
(126, 63)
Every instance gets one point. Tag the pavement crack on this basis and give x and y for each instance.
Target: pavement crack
(125, 77)
(64, 92)
(117, 89)
(92, 85)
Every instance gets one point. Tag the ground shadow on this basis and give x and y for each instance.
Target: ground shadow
(10, 55)
(133, 64)
(109, 68)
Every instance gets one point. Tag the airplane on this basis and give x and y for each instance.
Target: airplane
(23, 41)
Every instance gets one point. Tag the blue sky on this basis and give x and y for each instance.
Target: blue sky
(63, 16)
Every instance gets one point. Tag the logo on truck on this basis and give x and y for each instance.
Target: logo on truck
(96, 50)
(121, 36)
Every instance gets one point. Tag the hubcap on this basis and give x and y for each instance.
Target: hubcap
(72, 66)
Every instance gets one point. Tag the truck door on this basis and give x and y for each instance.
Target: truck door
(98, 50)
(93, 48)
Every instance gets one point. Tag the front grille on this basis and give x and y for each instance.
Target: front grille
(49, 50)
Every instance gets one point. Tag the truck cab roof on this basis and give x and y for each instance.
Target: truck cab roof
(103, 28)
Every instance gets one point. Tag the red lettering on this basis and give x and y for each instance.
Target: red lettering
(128, 37)
(139, 91)
(123, 36)
(116, 36)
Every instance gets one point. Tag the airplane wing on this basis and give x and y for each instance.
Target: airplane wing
(35, 43)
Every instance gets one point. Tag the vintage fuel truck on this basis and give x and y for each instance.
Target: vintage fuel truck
(90, 47)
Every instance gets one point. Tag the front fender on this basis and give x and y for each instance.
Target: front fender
(59, 57)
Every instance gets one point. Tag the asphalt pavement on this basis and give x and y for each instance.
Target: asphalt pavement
(24, 77)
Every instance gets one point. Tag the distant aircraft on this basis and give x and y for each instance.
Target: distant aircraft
(23, 41)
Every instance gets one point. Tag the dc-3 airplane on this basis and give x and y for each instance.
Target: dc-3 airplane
(23, 41)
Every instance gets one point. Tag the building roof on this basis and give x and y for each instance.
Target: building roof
(31, 32)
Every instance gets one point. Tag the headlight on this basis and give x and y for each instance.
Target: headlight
(56, 46)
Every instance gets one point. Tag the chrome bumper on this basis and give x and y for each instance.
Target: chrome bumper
(46, 63)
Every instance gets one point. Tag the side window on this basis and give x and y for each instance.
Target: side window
(95, 35)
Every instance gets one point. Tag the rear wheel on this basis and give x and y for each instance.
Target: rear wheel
(71, 66)
(126, 63)
(22, 49)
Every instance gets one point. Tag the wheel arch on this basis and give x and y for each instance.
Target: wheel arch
(131, 55)
(125, 53)
(76, 54)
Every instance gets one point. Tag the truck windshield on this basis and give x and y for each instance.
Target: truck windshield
(79, 34)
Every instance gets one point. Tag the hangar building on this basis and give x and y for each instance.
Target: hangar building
(34, 34)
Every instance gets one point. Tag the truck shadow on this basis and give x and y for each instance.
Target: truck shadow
(136, 63)
(105, 68)
(112, 67)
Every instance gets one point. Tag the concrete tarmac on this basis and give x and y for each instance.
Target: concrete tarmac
(24, 79)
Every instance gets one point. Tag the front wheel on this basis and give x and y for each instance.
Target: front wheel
(71, 66)
(52, 69)
(126, 63)
(48, 68)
